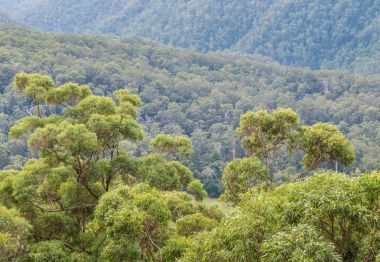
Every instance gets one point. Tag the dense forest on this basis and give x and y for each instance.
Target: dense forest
(257, 143)
(85, 198)
(187, 93)
(316, 34)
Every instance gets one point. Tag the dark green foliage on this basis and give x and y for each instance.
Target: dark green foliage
(186, 93)
(49, 251)
(91, 190)
(314, 33)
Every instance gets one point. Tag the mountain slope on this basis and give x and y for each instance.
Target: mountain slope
(184, 92)
(315, 34)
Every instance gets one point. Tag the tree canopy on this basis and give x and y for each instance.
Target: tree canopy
(328, 217)
(184, 93)
(83, 197)
(315, 34)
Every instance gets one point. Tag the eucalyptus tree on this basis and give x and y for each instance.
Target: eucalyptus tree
(83, 195)
(326, 217)
(273, 137)
(272, 140)
(15, 232)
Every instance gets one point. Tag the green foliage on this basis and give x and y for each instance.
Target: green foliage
(263, 133)
(194, 223)
(172, 145)
(184, 173)
(34, 86)
(123, 225)
(133, 221)
(274, 139)
(187, 93)
(90, 192)
(242, 174)
(180, 204)
(158, 173)
(68, 93)
(323, 142)
(49, 251)
(14, 234)
(312, 34)
(6, 187)
(328, 217)
(83, 196)
(300, 244)
(237, 239)
(175, 248)
(28, 125)
(196, 189)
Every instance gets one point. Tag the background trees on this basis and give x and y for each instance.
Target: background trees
(84, 196)
(184, 93)
(82, 183)
(312, 34)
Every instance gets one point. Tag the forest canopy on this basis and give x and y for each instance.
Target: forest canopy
(117, 148)
(84, 197)
(340, 34)
(185, 93)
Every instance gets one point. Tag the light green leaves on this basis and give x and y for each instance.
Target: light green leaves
(64, 141)
(79, 161)
(242, 174)
(302, 243)
(69, 93)
(14, 233)
(327, 217)
(34, 86)
(323, 142)
(132, 220)
(89, 106)
(196, 189)
(191, 224)
(180, 145)
(271, 137)
(264, 133)
(123, 96)
(28, 125)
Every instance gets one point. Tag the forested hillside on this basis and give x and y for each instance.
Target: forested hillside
(184, 92)
(316, 34)
(84, 197)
